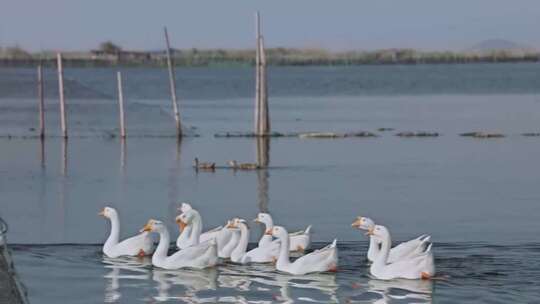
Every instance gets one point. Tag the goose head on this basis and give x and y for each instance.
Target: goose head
(237, 222)
(364, 223)
(230, 225)
(186, 218)
(265, 218)
(378, 231)
(185, 207)
(279, 232)
(108, 212)
(153, 226)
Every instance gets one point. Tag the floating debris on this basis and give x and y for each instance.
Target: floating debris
(482, 135)
(203, 165)
(531, 134)
(233, 164)
(251, 134)
(336, 135)
(385, 129)
(418, 134)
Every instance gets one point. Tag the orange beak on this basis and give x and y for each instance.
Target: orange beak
(268, 232)
(256, 220)
(358, 222)
(231, 225)
(147, 227)
(102, 212)
(370, 231)
(181, 224)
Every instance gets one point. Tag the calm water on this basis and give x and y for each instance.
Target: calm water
(479, 199)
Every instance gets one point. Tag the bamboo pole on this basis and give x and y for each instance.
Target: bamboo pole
(172, 84)
(265, 115)
(41, 102)
(61, 95)
(121, 104)
(257, 74)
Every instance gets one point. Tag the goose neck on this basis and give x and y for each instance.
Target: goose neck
(114, 236)
(163, 247)
(241, 248)
(382, 257)
(283, 258)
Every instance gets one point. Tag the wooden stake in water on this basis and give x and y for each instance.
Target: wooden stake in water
(264, 111)
(172, 84)
(121, 105)
(41, 104)
(257, 74)
(61, 95)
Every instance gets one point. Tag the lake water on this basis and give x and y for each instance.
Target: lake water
(478, 198)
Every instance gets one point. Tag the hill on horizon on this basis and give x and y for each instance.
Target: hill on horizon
(491, 45)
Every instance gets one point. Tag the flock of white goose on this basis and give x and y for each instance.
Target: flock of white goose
(198, 250)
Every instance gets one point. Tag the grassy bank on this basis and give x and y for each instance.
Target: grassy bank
(276, 56)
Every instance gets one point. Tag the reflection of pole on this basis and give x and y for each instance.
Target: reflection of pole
(263, 159)
(174, 171)
(64, 157)
(262, 189)
(42, 152)
(123, 151)
(63, 190)
(263, 151)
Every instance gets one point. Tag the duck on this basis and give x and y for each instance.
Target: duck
(138, 245)
(197, 256)
(203, 166)
(404, 250)
(190, 224)
(299, 241)
(417, 267)
(265, 254)
(322, 260)
(243, 166)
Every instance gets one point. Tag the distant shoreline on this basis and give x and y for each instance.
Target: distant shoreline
(276, 57)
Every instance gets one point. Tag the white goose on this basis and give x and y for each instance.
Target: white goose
(221, 235)
(197, 256)
(239, 255)
(321, 260)
(225, 250)
(299, 241)
(418, 267)
(139, 245)
(404, 250)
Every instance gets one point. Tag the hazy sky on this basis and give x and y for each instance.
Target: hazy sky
(337, 24)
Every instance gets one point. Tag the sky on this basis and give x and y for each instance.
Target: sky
(335, 25)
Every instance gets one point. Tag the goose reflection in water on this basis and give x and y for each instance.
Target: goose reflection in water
(321, 288)
(394, 291)
(127, 268)
(192, 281)
(257, 283)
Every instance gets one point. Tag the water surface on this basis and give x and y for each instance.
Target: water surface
(479, 199)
